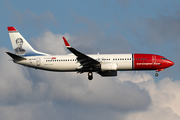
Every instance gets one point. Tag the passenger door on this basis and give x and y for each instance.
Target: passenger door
(153, 59)
(38, 61)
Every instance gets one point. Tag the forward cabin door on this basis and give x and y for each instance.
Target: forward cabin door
(153, 60)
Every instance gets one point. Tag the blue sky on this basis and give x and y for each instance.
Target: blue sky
(116, 26)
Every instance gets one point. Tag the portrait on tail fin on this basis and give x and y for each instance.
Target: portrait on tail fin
(19, 50)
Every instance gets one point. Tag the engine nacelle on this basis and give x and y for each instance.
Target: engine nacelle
(108, 69)
(108, 66)
(108, 73)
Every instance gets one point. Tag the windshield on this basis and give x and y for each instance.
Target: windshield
(163, 58)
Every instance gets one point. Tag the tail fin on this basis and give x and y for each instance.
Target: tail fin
(20, 45)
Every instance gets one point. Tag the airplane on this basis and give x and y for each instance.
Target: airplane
(105, 65)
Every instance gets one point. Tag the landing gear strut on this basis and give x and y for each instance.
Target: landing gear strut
(90, 75)
(156, 74)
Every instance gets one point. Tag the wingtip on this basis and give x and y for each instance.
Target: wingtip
(11, 28)
(65, 41)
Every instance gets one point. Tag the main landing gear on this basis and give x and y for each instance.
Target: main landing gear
(156, 74)
(90, 75)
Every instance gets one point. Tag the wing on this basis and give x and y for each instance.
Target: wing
(86, 62)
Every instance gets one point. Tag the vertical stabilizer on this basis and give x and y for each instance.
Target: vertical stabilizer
(20, 45)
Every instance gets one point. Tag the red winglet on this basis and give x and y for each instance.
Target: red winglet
(66, 43)
(11, 29)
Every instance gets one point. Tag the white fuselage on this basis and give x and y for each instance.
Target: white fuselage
(103, 64)
(69, 63)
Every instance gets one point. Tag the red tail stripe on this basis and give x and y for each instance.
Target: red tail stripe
(11, 29)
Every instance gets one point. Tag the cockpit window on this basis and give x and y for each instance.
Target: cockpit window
(163, 58)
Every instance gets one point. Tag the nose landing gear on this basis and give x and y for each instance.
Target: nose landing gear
(156, 74)
(90, 75)
(158, 70)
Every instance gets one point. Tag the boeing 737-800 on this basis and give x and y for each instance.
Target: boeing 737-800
(103, 64)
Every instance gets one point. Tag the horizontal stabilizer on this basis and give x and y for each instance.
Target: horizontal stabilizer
(15, 57)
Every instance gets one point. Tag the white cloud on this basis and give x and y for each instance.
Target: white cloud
(165, 98)
(13, 82)
(134, 77)
(16, 112)
(155, 113)
(51, 43)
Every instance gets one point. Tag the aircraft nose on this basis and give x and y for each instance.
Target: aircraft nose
(170, 63)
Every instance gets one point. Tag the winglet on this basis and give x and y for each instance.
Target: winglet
(66, 43)
(11, 29)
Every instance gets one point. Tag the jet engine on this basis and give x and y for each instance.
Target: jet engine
(108, 66)
(108, 69)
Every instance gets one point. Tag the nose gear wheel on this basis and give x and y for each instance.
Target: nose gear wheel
(90, 75)
(156, 74)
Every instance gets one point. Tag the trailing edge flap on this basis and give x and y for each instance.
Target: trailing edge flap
(15, 57)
